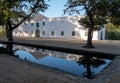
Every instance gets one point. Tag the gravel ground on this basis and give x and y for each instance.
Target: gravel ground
(102, 46)
(13, 70)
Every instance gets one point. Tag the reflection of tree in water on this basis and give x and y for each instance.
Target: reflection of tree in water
(2, 50)
(8, 49)
(88, 61)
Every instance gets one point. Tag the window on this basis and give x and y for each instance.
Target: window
(37, 24)
(26, 32)
(43, 32)
(43, 23)
(20, 31)
(43, 50)
(37, 49)
(31, 24)
(37, 33)
(52, 33)
(62, 33)
(73, 33)
(31, 32)
(25, 23)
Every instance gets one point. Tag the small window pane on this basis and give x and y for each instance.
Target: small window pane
(25, 31)
(73, 33)
(37, 24)
(62, 33)
(43, 32)
(31, 32)
(31, 24)
(52, 33)
(43, 23)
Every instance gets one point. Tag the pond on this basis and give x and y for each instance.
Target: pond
(80, 65)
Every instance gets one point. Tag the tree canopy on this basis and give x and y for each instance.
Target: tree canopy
(97, 13)
(16, 11)
(114, 14)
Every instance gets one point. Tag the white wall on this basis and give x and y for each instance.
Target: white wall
(65, 24)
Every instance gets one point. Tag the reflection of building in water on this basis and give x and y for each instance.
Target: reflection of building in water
(41, 52)
(87, 66)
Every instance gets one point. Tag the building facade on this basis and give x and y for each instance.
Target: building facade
(60, 27)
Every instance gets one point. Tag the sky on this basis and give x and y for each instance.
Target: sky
(56, 8)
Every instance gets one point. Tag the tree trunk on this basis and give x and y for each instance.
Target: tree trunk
(9, 46)
(88, 60)
(89, 39)
(9, 31)
(90, 31)
(10, 36)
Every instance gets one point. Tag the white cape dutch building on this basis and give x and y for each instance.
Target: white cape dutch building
(59, 27)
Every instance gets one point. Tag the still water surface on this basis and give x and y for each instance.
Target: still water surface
(78, 65)
(87, 66)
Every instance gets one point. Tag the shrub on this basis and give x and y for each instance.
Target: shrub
(113, 34)
(2, 32)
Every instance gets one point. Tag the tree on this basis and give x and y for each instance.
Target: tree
(15, 12)
(88, 61)
(114, 13)
(97, 13)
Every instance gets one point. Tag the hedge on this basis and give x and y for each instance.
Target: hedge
(113, 34)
